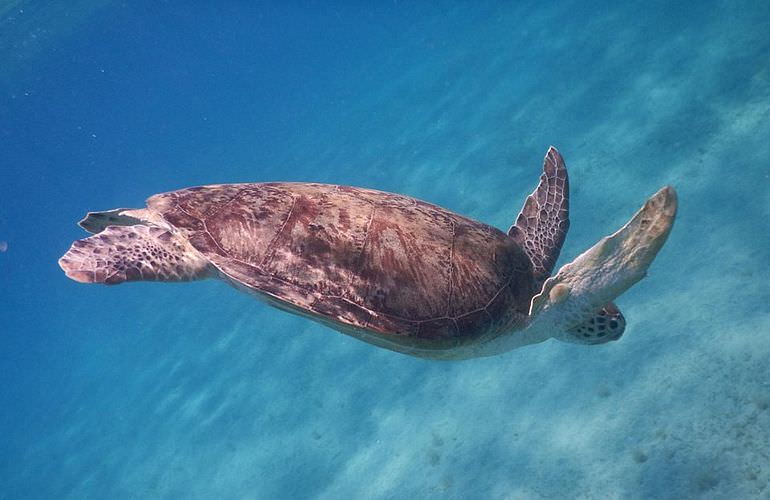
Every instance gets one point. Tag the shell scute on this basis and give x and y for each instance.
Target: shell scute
(403, 272)
(365, 260)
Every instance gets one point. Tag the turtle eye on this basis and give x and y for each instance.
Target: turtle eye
(616, 325)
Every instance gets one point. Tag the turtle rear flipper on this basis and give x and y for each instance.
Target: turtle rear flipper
(96, 222)
(543, 222)
(132, 253)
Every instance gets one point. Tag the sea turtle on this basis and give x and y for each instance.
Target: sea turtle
(388, 269)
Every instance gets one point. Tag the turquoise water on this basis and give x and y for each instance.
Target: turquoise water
(193, 390)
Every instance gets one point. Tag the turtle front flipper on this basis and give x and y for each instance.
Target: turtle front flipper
(599, 275)
(133, 253)
(542, 225)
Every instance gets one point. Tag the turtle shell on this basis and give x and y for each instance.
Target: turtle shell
(392, 270)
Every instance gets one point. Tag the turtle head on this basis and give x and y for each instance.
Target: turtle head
(606, 324)
(576, 305)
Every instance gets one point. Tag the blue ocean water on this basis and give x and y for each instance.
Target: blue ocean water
(193, 390)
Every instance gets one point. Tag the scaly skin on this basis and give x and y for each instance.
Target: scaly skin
(605, 270)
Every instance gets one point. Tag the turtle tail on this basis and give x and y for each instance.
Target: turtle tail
(133, 253)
